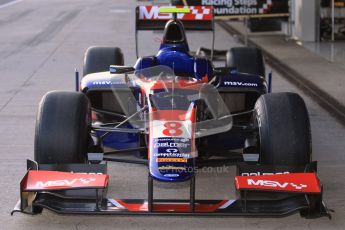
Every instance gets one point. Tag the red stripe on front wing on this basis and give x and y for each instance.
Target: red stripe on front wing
(165, 207)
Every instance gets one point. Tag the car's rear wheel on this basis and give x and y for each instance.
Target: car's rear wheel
(284, 129)
(98, 59)
(62, 128)
(246, 60)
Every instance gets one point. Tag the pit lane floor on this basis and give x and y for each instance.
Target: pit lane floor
(41, 42)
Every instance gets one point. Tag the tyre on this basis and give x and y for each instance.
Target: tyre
(284, 129)
(98, 59)
(62, 128)
(246, 60)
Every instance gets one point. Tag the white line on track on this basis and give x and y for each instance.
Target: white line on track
(9, 3)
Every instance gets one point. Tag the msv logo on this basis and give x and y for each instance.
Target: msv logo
(153, 13)
(196, 13)
(54, 183)
(275, 184)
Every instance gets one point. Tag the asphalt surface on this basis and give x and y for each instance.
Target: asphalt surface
(41, 42)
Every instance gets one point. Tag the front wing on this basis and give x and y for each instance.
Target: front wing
(85, 193)
(176, 207)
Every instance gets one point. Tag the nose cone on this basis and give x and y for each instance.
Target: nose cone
(171, 159)
(171, 146)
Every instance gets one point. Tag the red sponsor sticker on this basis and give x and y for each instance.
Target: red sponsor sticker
(203, 13)
(292, 182)
(50, 180)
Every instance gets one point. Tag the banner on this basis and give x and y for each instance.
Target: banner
(241, 8)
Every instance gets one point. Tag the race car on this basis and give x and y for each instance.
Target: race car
(175, 111)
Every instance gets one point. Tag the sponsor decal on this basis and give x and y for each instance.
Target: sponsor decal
(174, 139)
(45, 180)
(263, 173)
(179, 160)
(172, 167)
(196, 13)
(171, 175)
(54, 183)
(269, 8)
(239, 83)
(171, 145)
(172, 150)
(291, 182)
(274, 184)
(174, 155)
(108, 82)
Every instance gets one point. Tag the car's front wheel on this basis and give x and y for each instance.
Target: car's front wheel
(284, 129)
(62, 128)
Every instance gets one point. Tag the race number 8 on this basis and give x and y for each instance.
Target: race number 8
(173, 128)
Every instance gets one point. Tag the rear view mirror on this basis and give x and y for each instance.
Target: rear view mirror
(117, 69)
(223, 70)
